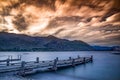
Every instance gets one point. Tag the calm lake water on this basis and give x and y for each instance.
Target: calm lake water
(105, 66)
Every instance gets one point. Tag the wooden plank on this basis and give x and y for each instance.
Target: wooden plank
(38, 66)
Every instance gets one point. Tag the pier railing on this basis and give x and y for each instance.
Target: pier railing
(24, 68)
(9, 60)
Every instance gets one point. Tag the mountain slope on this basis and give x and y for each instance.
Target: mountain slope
(20, 42)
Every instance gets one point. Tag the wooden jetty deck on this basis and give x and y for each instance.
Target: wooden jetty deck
(24, 68)
(9, 60)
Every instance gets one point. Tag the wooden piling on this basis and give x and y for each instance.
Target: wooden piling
(91, 57)
(22, 69)
(73, 61)
(83, 59)
(11, 58)
(55, 65)
(8, 62)
(70, 58)
(37, 59)
(57, 58)
(78, 57)
(19, 57)
(23, 64)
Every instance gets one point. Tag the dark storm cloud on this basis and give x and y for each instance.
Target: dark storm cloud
(60, 21)
(20, 23)
(20, 5)
(110, 13)
(107, 27)
(93, 21)
(109, 40)
(110, 27)
(57, 32)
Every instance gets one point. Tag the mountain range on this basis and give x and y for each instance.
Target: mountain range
(21, 42)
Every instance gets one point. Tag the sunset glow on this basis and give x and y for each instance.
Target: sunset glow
(93, 21)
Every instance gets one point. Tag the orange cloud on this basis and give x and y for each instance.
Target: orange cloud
(71, 19)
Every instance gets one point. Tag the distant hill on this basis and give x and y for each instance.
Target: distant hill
(20, 42)
(106, 48)
(102, 48)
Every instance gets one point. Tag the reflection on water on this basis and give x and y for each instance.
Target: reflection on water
(105, 66)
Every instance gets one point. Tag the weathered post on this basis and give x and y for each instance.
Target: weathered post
(11, 58)
(78, 57)
(37, 59)
(22, 70)
(57, 58)
(8, 62)
(19, 57)
(55, 64)
(23, 64)
(70, 58)
(73, 62)
(83, 59)
(91, 58)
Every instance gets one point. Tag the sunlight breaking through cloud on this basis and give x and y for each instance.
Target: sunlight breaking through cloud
(93, 21)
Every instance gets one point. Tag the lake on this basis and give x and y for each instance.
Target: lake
(105, 66)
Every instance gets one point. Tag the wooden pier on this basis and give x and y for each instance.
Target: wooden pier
(24, 68)
(9, 60)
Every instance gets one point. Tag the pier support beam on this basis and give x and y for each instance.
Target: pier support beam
(91, 58)
(22, 70)
(23, 64)
(73, 62)
(70, 58)
(78, 57)
(8, 62)
(57, 58)
(19, 57)
(55, 64)
(11, 57)
(84, 60)
(8, 56)
(37, 59)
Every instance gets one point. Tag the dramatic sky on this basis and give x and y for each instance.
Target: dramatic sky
(96, 22)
